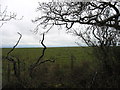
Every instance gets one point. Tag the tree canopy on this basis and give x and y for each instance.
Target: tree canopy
(102, 18)
(90, 13)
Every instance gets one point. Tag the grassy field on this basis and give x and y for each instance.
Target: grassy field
(61, 55)
(48, 74)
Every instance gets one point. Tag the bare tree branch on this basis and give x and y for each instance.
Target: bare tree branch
(12, 58)
(39, 61)
(69, 13)
(4, 16)
(15, 44)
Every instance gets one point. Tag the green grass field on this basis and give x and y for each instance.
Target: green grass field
(62, 55)
(73, 67)
(84, 64)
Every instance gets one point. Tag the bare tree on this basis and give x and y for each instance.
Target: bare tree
(40, 59)
(16, 61)
(5, 16)
(102, 20)
(70, 13)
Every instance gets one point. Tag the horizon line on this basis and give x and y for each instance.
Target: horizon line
(31, 46)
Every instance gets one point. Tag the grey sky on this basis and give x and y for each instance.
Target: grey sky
(27, 8)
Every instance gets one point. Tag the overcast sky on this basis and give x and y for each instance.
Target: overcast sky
(27, 8)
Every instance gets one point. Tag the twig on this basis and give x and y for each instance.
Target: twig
(93, 79)
(2, 24)
(46, 61)
(5, 17)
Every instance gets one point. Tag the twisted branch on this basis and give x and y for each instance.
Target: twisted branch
(15, 44)
(11, 58)
(39, 62)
